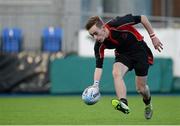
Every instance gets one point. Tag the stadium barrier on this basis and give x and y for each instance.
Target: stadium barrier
(73, 74)
(176, 84)
(24, 73)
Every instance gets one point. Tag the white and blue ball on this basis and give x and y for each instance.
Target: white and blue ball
(91, 95)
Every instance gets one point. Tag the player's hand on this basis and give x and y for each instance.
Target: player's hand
(95, 86)
(157, 44)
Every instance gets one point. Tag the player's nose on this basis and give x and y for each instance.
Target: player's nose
(95, 37)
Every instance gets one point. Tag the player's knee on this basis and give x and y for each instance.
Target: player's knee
(116, 74)
(140, 86)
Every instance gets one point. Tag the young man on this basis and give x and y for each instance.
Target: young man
(131, 52)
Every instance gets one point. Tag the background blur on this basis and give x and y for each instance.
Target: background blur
(45, 49)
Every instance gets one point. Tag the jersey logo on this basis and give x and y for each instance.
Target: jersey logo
(124, 35)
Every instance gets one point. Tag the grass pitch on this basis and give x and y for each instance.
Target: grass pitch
(70, 110)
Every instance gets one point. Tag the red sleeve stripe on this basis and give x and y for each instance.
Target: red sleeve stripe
(150, 60)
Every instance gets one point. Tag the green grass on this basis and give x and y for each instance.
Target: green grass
(66, 110)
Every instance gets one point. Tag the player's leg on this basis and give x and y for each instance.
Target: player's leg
(119, 71)
(141, 67)
(143, 89)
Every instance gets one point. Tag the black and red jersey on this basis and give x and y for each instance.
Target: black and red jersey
(122, 37)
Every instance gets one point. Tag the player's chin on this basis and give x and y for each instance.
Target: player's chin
(101, 41)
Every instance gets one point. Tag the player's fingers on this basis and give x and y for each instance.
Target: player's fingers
(158, 49)
(161, 44)
(155, 46)
(161, 47)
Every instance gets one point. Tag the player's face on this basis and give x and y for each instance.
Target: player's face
(97, 33)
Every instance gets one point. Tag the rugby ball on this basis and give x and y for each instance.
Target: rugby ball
(91, 95)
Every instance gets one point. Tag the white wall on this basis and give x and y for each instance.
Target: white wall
(169, 37)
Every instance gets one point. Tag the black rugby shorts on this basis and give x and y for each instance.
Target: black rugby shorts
(135, 57)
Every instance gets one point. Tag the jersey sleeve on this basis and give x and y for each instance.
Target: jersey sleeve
(99, 54)
(125, 20)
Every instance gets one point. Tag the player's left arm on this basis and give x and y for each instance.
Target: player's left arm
(155, 40)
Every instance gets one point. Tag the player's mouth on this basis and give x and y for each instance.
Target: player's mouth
(101, 40)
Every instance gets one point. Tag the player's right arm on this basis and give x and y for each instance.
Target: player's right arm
(97, 75)
(99, 55)
(155, 40)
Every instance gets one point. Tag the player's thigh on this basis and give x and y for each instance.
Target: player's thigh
(141, 65)
(141, 69)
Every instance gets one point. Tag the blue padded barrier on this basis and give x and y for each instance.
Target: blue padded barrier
(11, 40)
(52, 39)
